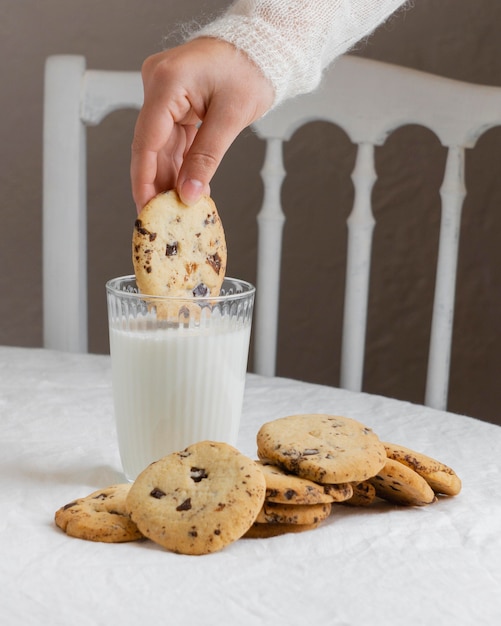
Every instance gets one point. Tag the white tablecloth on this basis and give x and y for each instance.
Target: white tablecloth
(439, 564)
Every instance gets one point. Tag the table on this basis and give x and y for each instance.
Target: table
(439, 564)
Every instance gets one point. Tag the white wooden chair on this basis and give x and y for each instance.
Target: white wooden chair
(367, 99)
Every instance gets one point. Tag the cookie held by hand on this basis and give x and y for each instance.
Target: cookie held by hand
(179, 250)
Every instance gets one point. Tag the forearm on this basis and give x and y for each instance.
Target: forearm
(293, 41)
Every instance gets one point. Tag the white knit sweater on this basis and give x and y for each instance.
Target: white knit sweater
(293, 41)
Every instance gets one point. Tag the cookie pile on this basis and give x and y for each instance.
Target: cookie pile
(345, 461)
(315, 461)
(203, 498)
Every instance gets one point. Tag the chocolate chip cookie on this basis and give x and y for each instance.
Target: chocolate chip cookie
(179, 250)
(198, 500)
(441, 478)
(323, 448)
(287, 488)
(278, 513)
(400, 484)
(100, 516)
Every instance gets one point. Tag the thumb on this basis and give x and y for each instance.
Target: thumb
(216, 134)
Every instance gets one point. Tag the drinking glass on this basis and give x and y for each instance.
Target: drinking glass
(178, 368)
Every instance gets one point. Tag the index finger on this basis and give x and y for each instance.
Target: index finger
(221, 125)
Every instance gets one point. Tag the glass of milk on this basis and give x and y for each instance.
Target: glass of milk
(178, 368)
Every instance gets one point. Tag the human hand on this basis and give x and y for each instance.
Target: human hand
(197, 98)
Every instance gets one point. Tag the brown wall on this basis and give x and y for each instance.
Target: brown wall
(456, 38)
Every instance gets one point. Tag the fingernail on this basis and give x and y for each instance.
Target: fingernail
(191, 190)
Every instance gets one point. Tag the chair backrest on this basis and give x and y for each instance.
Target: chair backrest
(367, 99)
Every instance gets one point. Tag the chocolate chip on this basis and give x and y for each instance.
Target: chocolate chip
(197, 474)
(69, 505)
(214, 261)
(210, 219)
(200, 291)
(171, 249)
(184, 506)
(157, 493)
(144, 231)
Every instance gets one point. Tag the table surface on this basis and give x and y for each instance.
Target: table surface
(439, 564)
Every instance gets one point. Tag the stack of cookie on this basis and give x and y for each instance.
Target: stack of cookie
(311, 462)
(203, 498)
(292, 503)
(324, 459)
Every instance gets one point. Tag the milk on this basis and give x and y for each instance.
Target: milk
(175, 386)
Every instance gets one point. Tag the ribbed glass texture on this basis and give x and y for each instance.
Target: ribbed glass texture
(178, 367)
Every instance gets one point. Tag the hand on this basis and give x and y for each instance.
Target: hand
(197, 98)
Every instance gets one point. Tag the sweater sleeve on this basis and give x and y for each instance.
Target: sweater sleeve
(293, 41)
